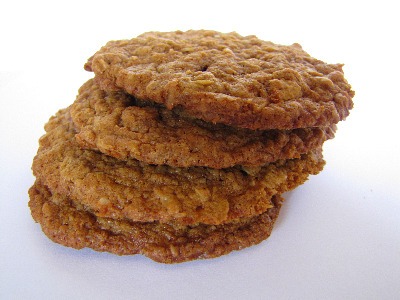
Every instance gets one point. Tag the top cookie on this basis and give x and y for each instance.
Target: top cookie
(226, 78)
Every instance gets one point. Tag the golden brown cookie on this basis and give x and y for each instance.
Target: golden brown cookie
(226, 78)
(71, 226)
(138, 191)
(121, 126)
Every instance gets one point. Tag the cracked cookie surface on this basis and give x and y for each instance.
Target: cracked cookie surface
(226, 78)
(121, 126)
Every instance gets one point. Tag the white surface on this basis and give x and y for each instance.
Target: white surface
(338, 236)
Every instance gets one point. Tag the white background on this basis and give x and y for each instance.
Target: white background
(338, 236)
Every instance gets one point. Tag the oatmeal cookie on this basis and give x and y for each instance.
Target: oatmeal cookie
(226, 78)
(134, 190)
(121, 126)
(71, 226)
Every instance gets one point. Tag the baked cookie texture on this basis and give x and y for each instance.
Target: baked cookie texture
(226, 78)
(69, 225)
(182, 144)
(138, 191)
(123, 127)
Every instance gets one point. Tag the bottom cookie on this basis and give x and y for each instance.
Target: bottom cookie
(163, 242)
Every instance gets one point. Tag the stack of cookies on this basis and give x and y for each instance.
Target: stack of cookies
(182, 144)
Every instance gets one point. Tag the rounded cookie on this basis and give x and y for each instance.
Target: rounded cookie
(226, 78)
(121, 126)
(66, 224)
(134, 190)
